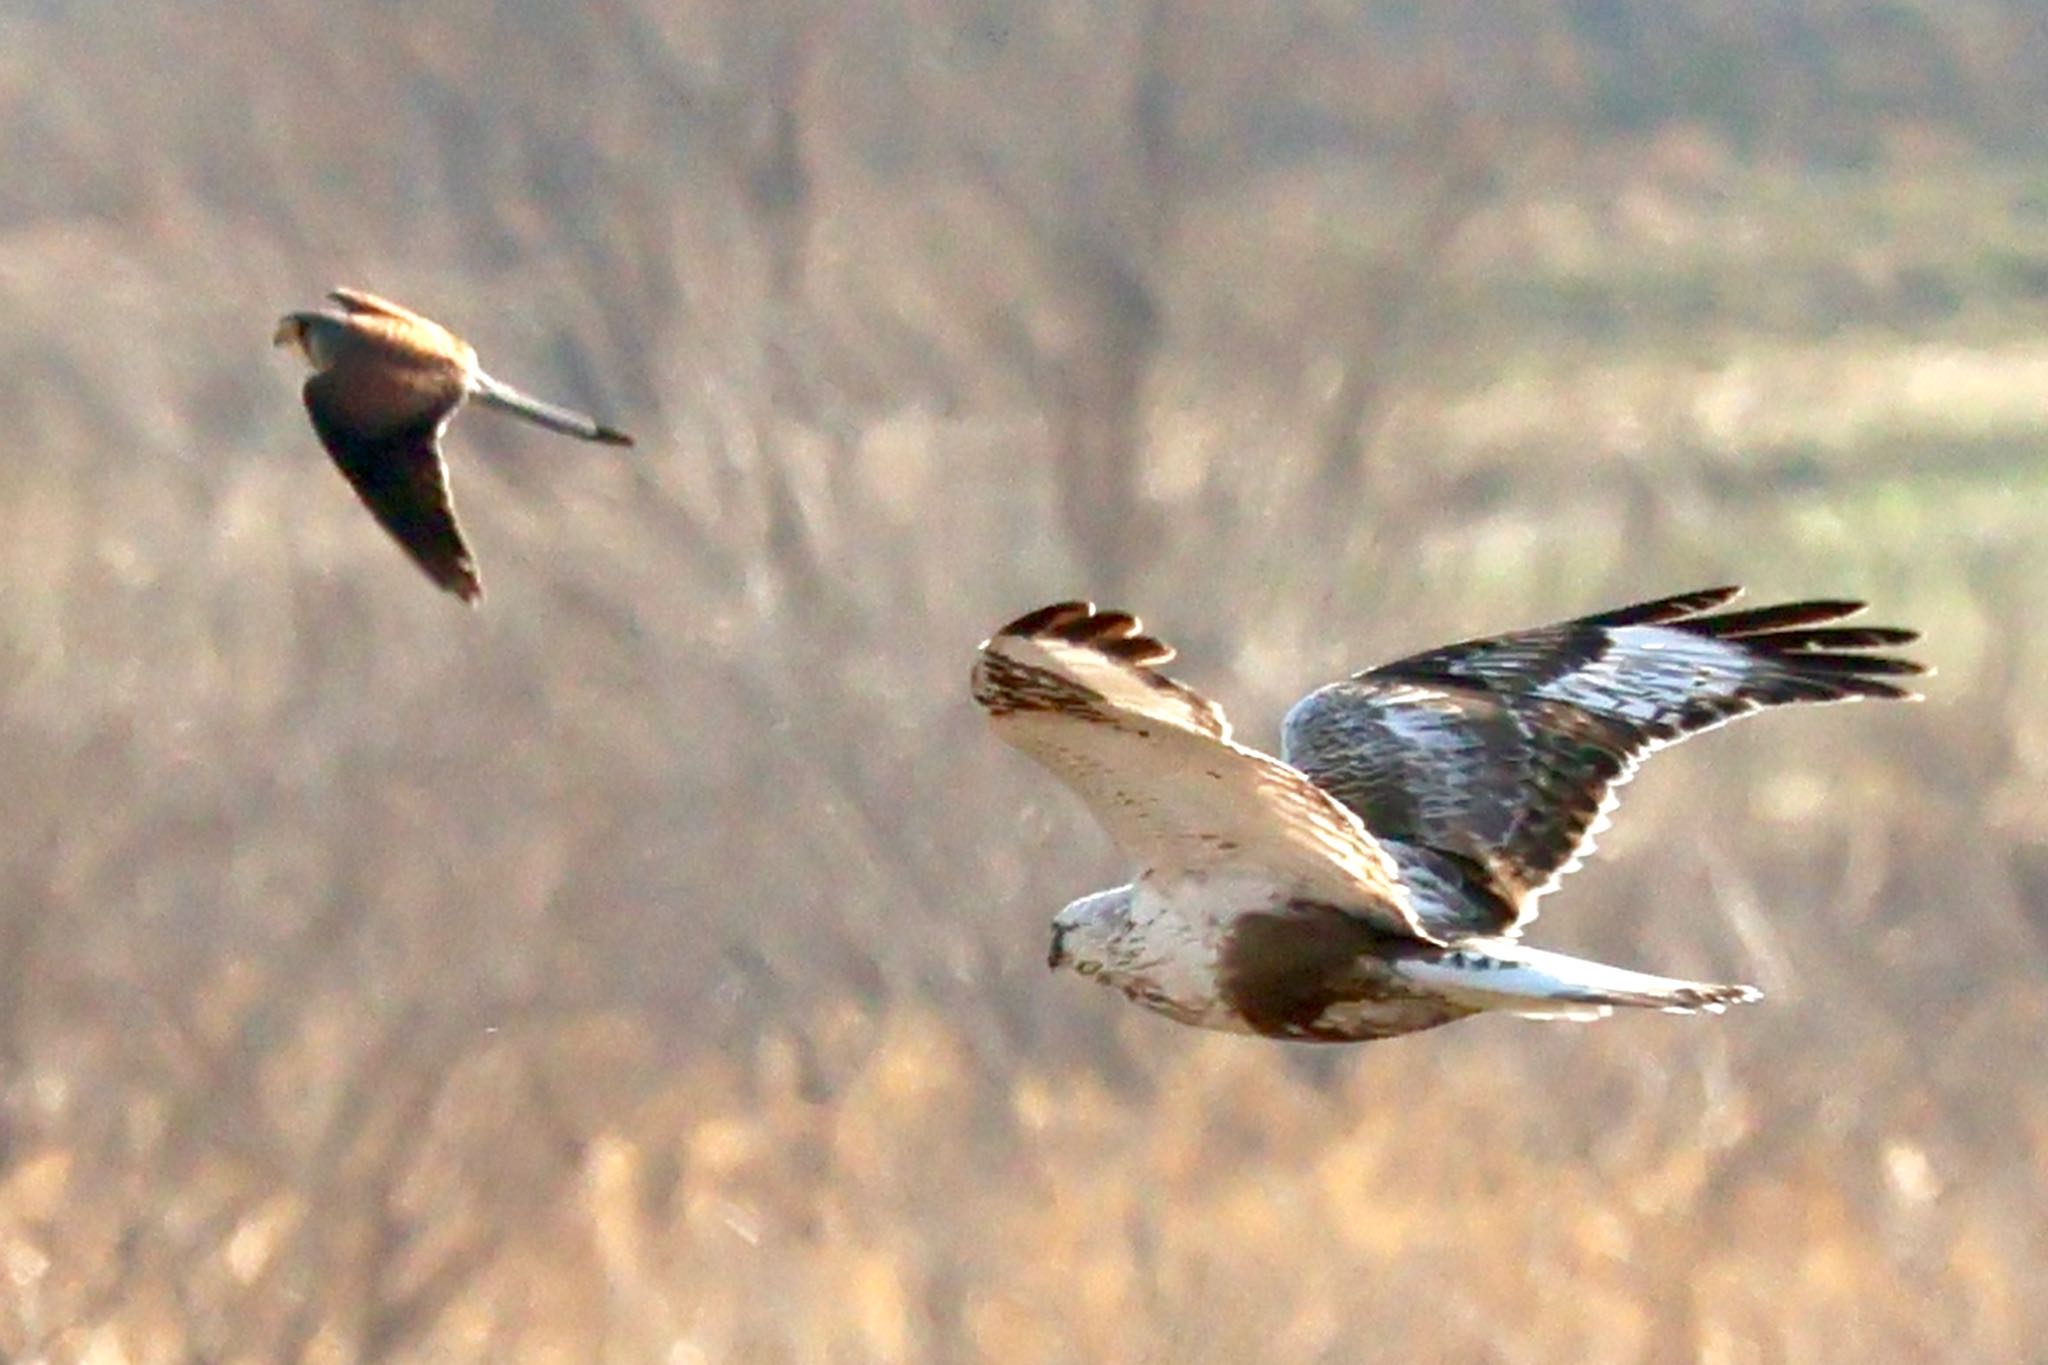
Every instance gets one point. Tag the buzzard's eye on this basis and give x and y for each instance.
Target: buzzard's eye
(1087, 968)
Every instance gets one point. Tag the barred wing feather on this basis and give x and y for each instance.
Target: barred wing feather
(1507, 751)
(1077, 689)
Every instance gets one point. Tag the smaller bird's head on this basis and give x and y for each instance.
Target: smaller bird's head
(313, 334)
(1084, 934)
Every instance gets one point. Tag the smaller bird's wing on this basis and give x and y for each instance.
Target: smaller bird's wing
(397, 470)
(1504, 753)
(363, 301)
(1077, 690)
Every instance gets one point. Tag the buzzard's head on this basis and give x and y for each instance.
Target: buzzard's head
(1084, 934)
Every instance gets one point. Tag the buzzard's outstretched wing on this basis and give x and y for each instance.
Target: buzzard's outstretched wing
(1077, 690)
(1505, 752)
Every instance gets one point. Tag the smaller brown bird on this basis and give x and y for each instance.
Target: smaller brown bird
(385, 383)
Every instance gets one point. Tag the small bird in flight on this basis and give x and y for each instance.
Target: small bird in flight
(1373, 880)
(385, 383)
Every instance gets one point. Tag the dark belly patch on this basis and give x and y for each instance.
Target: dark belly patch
(1315, 973)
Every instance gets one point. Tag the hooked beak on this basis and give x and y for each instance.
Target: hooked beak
(1057, 958)
(287, 333)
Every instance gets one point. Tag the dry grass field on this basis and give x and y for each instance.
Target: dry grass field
(649, 966)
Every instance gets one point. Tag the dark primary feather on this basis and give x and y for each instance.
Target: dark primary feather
(1116, 633)
(1665, 608)
(400, 477)
(1503, 751)
(1778, 639)
(1001, 686)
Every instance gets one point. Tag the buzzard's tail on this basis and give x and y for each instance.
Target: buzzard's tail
(1498, 974)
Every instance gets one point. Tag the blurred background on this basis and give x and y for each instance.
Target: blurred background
(649, 966)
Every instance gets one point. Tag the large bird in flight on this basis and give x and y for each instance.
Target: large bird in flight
(386, 382)
(1373, 880)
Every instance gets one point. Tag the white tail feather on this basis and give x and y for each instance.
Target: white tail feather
(496, 393)
(1499, 974)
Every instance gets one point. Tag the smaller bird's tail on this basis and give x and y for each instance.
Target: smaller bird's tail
(498, 394)
(1500, 974)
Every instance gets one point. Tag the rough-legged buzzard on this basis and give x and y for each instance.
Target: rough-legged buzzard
(1373, 880)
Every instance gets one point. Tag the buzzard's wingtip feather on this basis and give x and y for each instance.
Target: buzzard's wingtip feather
(1662, 609)
(1117, 634)
(1046, 618)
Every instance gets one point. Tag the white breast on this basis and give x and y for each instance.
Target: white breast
(1168, 954)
